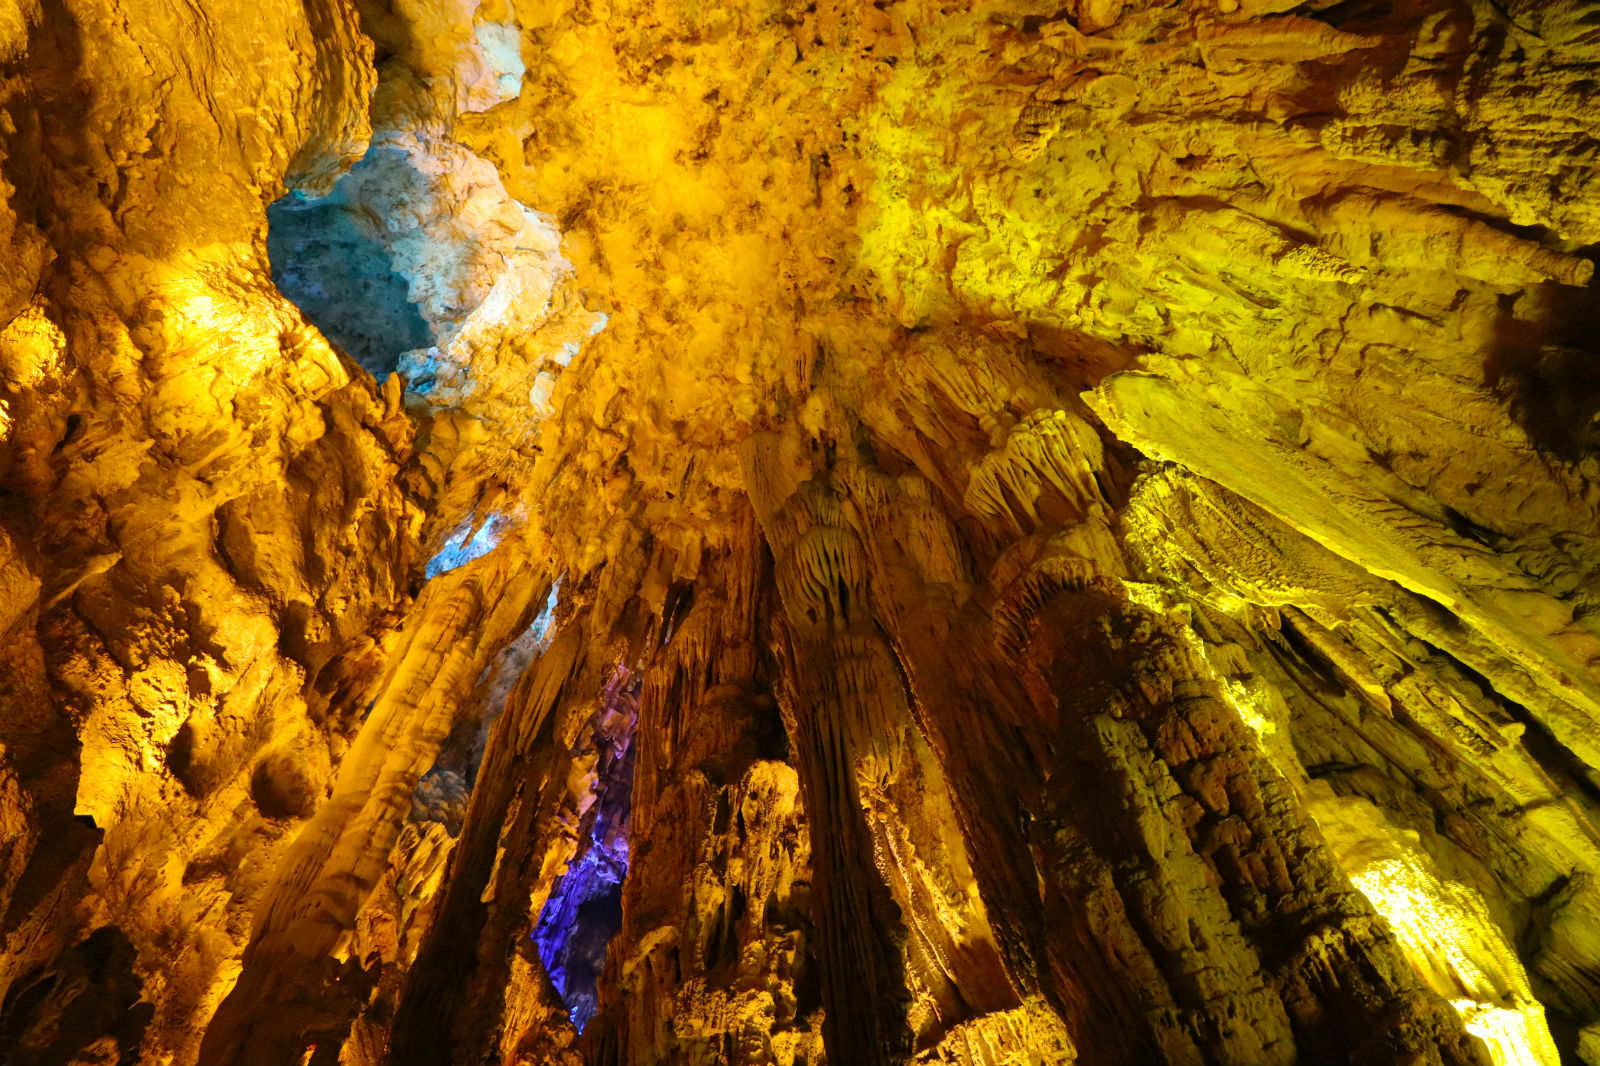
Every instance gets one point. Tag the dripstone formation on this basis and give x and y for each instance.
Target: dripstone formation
(773, 533)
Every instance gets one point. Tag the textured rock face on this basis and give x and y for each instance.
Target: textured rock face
(567, 532)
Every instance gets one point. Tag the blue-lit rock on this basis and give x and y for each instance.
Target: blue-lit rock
(583, 914)
(584, 910)
(465, 545)
(500, 45)
(419, 260)
(330, 257)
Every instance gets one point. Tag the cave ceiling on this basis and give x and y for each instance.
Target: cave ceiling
(773, 533)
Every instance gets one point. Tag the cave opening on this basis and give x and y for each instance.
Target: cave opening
(334, 257)
(469, 541)
(584, 910)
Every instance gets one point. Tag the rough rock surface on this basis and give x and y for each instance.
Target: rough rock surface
(645, 531)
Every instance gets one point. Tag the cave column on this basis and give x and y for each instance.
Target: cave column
(291, 990)
(844, 706)
(1185, 909)
(715, 951)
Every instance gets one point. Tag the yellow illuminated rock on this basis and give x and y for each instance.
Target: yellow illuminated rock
(573, 532)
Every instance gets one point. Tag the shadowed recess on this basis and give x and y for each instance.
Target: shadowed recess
(330, 257)
(584, 910)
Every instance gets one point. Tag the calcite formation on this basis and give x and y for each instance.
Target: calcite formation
(986, 533)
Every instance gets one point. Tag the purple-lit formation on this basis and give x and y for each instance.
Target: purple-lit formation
(583, 914)
(585, 907)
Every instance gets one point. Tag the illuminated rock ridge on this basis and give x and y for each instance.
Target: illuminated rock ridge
(765, 532)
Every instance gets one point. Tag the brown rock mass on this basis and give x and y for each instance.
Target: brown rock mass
(762, 533)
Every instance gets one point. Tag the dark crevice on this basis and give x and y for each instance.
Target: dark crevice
(78, 1009)
(584, 910)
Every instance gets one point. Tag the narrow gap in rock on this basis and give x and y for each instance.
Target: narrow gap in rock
(441, 794)
(584, 910)
(465, 545)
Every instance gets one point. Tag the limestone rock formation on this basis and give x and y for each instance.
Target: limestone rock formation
(605, 532)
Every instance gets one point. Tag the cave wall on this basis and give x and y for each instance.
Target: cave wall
(1036, 532)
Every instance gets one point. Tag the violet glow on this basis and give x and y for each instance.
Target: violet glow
(584, 910)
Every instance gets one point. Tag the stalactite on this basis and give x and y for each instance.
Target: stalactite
(486, 896)
(716, 941)
(845, 718)
(336, 861)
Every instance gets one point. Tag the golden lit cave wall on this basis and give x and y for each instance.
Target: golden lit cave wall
(1185, 398)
